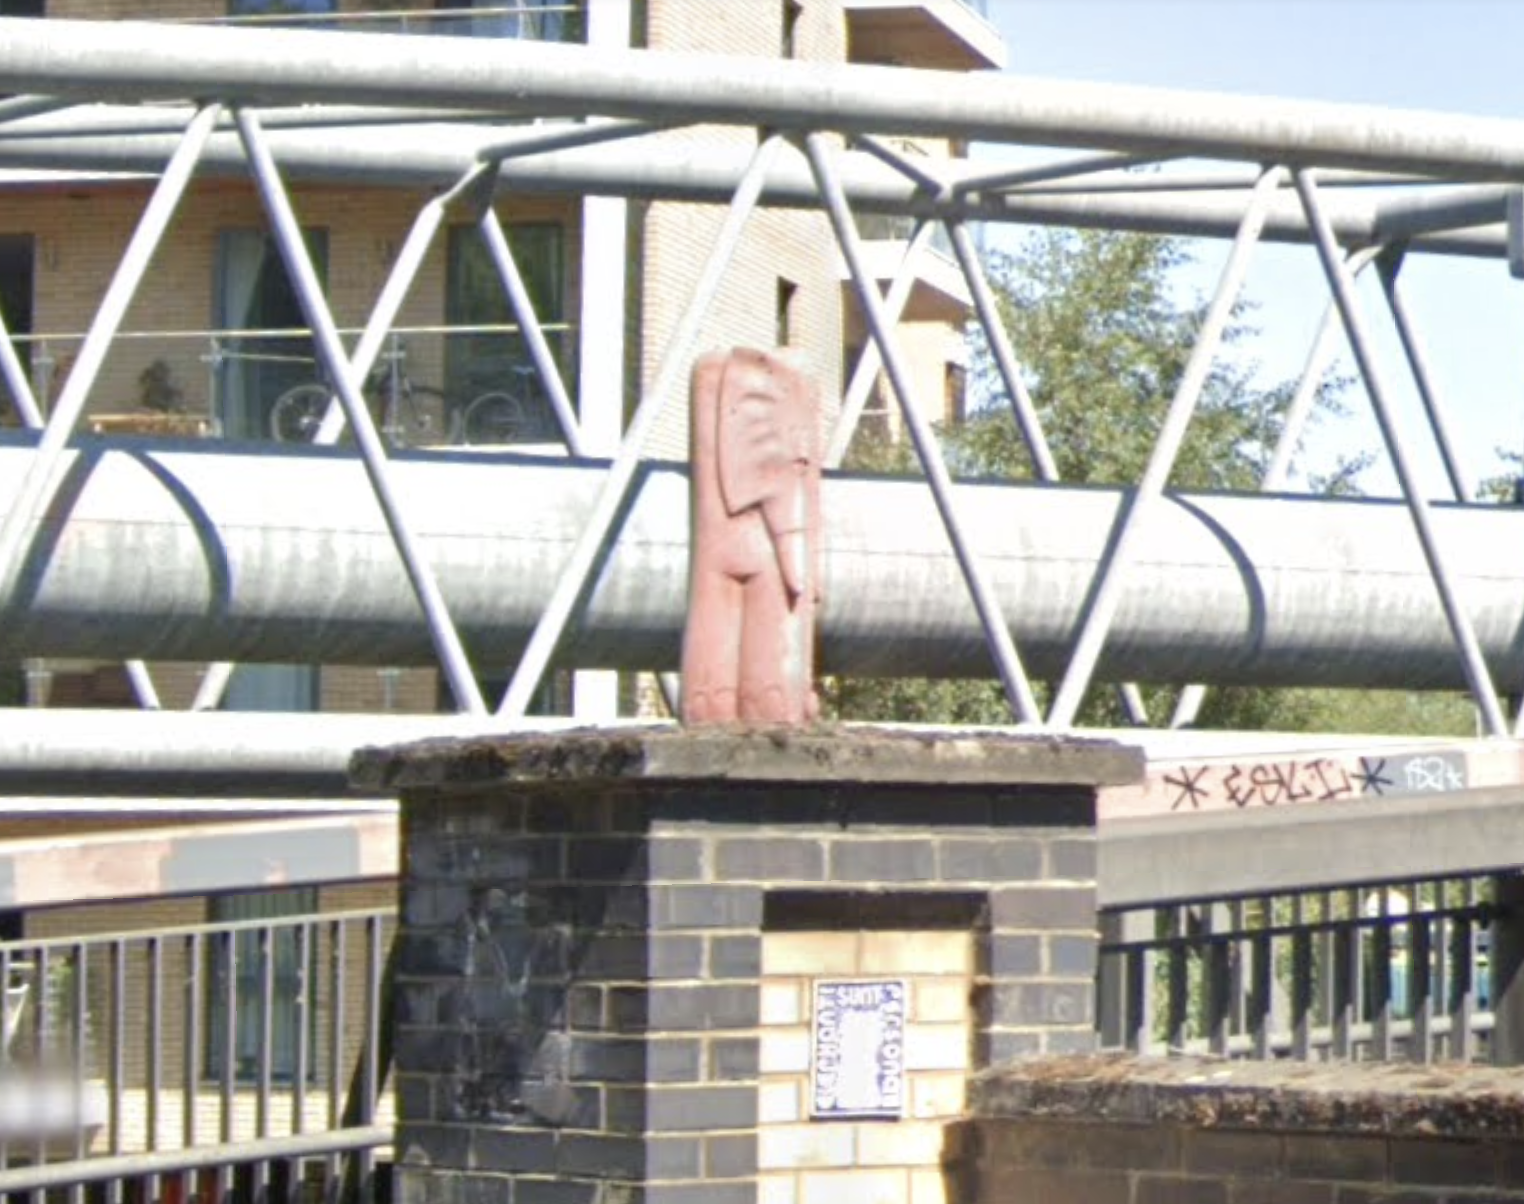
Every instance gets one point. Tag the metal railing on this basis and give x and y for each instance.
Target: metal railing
(244, 1058)
(551, 21)
(1379, 973)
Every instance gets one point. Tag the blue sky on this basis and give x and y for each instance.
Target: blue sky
(1457, 56)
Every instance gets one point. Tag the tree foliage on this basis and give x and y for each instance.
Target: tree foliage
(1104, 337)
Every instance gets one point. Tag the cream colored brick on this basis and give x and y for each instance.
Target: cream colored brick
(778, 1102)
(785, 1051)
(909, 1143)
(928, 1187)
(782, 1003)
(856, 1187)
(939, 1000)
(936, 1047)
(938, 1094)
(777, 1189)
(791, 1147)
(917, 952)
(810, 953)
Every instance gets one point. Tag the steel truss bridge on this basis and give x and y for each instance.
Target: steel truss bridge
(137, 551)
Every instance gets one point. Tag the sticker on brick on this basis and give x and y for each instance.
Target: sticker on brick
(857, 1051)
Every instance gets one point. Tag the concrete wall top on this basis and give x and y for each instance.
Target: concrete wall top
(1392, 1099)
(817, 755)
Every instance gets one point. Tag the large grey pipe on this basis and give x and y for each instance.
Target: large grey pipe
(221, 553)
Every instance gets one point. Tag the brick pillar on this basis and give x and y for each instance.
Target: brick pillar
(608, 944)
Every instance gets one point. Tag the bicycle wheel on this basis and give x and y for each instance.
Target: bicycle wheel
(494, 418)
(298, 413)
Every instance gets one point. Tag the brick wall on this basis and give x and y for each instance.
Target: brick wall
(606, 984)
(1191, 1131)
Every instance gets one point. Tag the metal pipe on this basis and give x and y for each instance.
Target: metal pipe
(165, 552)
(1068, 170)
(530, 329)
(293, 248)
(871, 361)
(655, 169)
(1389, 265)
(1100, 608)
(1341, 283)
(590, 547)
(130, 61)
(41, 481)
(1013, 675)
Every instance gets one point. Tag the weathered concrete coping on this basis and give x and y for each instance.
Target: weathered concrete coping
(814, 755)
(1396, 1099)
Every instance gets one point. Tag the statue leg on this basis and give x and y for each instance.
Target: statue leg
(773, 662)
(712, 647)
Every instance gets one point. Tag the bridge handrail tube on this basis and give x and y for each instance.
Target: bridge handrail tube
(1341, 284)
(129, 61)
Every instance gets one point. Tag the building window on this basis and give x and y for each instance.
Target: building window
(955, 394)
(493, 391)
(242, 997)
(18, 259)
(783, 320)
(23, 8)
(789, 43)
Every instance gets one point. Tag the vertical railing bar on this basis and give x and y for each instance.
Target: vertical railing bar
(371, 1081)
(41, 1038)
(1100, 606)
(451, 652)
(1301, 981)
(304, 1013)
(7, 1010)
(117, 1010)
(79, 1021)
(1139, 991)
(333, 1179)
(228, 943)
(1324, 953)
(599, 523)
(1463, 633)
(266, 943)
(1177, 1019)
(153, 1069)
(1237, 960)
(1344, 950)
(1381, 980)
(191, 1054)
(997, 632)
(1111, 981)
(1262, 1003)
(1463, 1013)
(1420, 988)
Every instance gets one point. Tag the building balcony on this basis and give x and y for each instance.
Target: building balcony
(938, 294)
(947, 35)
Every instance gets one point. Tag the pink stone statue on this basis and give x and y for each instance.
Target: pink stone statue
(754, 578)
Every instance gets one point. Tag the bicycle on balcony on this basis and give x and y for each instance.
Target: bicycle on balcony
(406, 413)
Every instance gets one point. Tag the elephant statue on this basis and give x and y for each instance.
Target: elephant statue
(754, 567)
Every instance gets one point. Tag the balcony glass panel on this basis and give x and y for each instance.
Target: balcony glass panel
(533, 20)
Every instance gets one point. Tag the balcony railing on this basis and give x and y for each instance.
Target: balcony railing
(552, 21)
(235, 1059)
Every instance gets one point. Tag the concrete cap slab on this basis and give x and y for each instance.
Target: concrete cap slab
(810, 755)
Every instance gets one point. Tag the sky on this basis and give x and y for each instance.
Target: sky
(1456, 56)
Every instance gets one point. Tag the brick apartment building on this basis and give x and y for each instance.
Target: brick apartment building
(207, 351)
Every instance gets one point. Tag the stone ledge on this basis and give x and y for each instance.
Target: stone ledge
(820, 755)
(1392, 1099)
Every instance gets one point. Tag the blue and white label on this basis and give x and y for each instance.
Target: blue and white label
(857, 1062)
